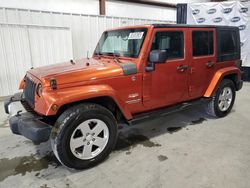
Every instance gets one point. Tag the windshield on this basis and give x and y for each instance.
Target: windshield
(127, 42)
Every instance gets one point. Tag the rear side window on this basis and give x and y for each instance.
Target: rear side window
(228, 42)
(203, 43)
(171, 41)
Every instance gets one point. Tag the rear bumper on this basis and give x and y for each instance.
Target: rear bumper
(239, 85)
(25, 123)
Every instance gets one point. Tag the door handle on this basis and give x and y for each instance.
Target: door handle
(182, 68)
(210, 64)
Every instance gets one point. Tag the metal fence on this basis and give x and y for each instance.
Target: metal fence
(84, 30)
(26, 46)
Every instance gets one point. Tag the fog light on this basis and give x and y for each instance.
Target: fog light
(54, 107)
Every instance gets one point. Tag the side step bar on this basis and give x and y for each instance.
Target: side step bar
(165, 111)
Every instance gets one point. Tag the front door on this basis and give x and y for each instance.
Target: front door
(168, 83)
(203, 58)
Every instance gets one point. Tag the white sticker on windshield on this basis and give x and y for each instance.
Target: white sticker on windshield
(135, 35)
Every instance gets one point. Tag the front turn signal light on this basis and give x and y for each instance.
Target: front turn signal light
(54, 107)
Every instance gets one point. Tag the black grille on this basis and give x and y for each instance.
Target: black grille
(29, 92)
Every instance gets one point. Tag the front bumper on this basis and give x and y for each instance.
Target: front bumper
(28, 124)
(13, 105)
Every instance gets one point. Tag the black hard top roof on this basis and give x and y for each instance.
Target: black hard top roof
(191, 26)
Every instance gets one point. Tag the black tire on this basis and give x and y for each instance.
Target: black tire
(213, 105)
(67, 124)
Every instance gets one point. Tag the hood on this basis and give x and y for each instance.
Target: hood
(77, 71)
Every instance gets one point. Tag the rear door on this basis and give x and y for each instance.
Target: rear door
(202, 60)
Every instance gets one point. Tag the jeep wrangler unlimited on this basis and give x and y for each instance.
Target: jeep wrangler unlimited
(136, 72)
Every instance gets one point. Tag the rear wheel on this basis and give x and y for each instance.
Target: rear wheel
(84, 135)
(223, 99)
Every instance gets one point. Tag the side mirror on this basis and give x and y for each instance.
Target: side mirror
(157, 56)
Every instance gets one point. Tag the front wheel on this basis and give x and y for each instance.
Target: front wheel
(223, 100)
(84, 135)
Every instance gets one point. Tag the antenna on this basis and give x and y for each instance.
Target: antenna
(87, 54)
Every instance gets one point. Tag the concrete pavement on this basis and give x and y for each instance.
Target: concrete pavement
(186, 149)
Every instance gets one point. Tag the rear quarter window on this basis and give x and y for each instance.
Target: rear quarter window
(228, 44)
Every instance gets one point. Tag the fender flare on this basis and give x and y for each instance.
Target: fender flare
(218, 76)
(71, 95)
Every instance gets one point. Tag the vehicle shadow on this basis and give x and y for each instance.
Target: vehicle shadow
(141, 133)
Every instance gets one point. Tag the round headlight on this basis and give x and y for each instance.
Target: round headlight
(39, 90)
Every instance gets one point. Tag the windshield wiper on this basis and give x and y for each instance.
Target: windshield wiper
(98, 54)
(116, 57)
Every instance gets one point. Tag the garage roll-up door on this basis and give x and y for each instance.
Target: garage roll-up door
(26, 46)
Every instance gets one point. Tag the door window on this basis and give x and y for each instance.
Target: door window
(202, 43)
(171, 41)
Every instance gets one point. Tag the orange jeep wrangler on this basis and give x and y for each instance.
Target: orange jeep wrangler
(136, 72)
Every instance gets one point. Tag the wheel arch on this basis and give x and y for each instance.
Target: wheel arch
(64, 97)
(105, 101)
(231, 73)
(233, 77)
